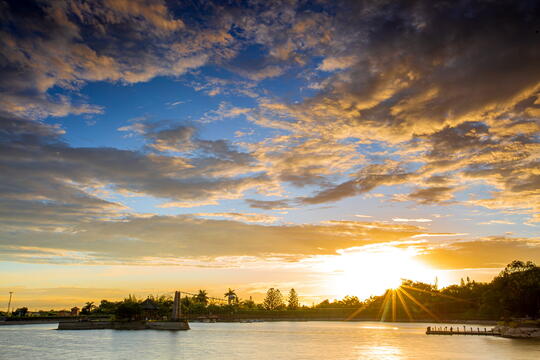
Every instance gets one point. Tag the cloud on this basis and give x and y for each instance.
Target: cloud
(224, 111)
(432, 195)
(488, 252)
(145, 239)
(337, 63)
(502, 222)
(421, 220)
(245, 217)
(365, 180)
(47, 182)
(269, 204)
(305, 161)
(110, 40)
(426, 96)
(419, 81)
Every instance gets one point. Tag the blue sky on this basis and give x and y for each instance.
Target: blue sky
(176, 136)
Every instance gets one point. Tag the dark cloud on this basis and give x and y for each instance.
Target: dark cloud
(432, 195)
(366, 180)
(269, 204)
(451, 89)
(68, 43)
(46, 181)
(176, 237)
(439, 81)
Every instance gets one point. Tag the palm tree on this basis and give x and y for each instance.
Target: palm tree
(231, 295)
(88, 307)
(202, 297)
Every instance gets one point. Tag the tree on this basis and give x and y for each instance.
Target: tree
(106, 307)
(517, 266)
(350, 301)
(273, 300)
(517, 290)
(231, 296)
(21, 312)
(128, 309)
(293, 303)
(87, 309)
(249, 304)
(202, 297)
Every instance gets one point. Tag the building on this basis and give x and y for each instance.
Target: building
(149, 310)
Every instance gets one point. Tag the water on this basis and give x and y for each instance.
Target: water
(272, 340)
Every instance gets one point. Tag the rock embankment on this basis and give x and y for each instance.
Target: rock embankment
(518, 332)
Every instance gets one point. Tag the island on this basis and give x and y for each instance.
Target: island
(149, 320)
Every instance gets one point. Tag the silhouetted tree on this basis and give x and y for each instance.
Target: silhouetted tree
(128, 309)
(292, 299)
(517, 289)
(20, 312)
(273, 300)
(87, 309)
(202, 297)
(231, 296)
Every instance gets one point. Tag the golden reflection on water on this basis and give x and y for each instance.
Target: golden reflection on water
(379, 352)
(382, 327)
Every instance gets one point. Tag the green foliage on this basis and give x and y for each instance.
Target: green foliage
(106, 307)
(202, 297)
(248, 304)
(87, 309)
(515, 292)
(128, 309)
(346, 302)
(273, 300)
(292, 300)
(231, 296)
(20, 312)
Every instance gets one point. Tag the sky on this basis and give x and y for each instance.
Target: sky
(333, 147)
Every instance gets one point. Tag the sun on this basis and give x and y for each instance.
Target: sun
(371, 270)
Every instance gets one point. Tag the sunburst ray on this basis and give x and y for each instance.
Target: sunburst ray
(429, 312)
(404, 304)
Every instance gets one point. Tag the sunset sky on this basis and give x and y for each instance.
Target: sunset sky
(330, 146)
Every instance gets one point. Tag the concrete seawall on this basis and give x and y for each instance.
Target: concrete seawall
(123, 325)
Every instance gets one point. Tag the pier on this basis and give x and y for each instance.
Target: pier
(461, 330)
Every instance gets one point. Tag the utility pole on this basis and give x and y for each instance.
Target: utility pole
(9, 302)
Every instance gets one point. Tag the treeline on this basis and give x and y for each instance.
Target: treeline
(514, 293)
(194, 305)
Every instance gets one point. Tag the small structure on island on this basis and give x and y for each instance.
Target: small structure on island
(149, 310)
(150, 320)
(75, 311)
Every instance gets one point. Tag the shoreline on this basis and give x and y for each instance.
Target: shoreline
(422, 321)
(254, 320)
(124, 325)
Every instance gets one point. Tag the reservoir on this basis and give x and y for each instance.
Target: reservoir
(261, 340)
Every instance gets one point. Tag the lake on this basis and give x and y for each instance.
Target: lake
(264, 340)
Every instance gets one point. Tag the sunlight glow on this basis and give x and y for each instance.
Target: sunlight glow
(370, 270)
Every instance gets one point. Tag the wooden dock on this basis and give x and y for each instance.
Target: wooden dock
(460, 330)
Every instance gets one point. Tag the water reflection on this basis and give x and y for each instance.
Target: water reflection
(379, 327)
(379, 352)
(265, 341)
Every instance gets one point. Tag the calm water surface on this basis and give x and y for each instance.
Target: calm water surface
(274, 340)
